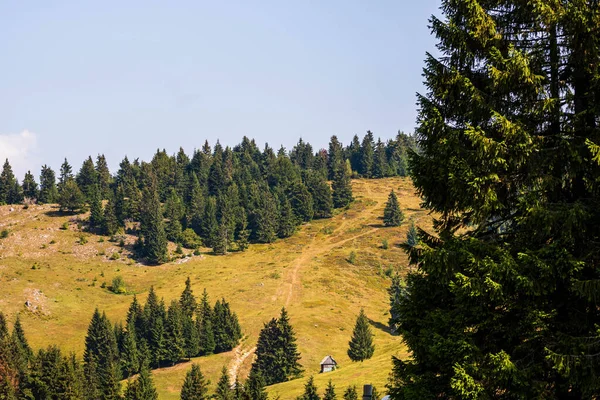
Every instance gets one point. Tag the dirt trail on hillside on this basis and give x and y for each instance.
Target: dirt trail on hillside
(239, 356)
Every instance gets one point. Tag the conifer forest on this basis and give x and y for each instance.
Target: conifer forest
(459, 261)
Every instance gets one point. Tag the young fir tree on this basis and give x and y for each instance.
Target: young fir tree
(227, 331)
(301, 201)
(375, 394)
(103, 176)
(351, 393)
(287, 225)
(48, 192)
(205, 326)
(129, 355)
(7, 183)
(367, 155)
(310, 390)
(341, 186)
(24, 352)
(70, 198)
(110, 222)
(361, 345)
(66, 174)
(412, 236)
(101, 351)
(380, 164)
(505, 288)
(223, 390)
(335, 156)
(96, 220)
(321, 195)
(210, 226)
(330, 392)
(142, 388)
(152, 225)
(30, 186)
(187, 300)
(397, 292)
(174, 211)
(265, 218)
(255, 386)
(392, 215)
(175, 341)
(195, 386)
(87, 177)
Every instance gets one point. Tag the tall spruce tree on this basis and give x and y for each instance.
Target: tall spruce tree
(330, 392)
(104, 178)
(503, 298)
(30, 187)
(87, 177)
(7, 184)
(392, 215)
(96, 220)
(310, 390)
(152, 225)
(204, 323)
(187, 300)
(48, 192)
(367, 155)
(101, 356)
(361, 345)
(142, 388)
(341, 186)
(195, 386)
(412, 236)
(175, 341)
(70, 198)
(223, 390)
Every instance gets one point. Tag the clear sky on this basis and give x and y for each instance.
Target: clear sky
(79, 78)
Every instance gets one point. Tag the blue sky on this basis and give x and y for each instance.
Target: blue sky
(125, 78)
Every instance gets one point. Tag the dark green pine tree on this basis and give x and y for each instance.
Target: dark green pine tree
(392, 215)
(110, 221)
(52, 376)
(287, 225)
(48, 192)
(24, 352)
(412, 236)
(96, 220)
(175, 342)
(30, 186)
(7, 183)
(367, 155)
(158, 337)
(351, 393)
(265, 218)
(341, 186)
(310, 390)
(174, 212)
(205, 326)
(101, 351)
(70, 198)
(187, 300)
(380, 163)
(335, 156)
(104, 178)
(152, 226)
(330, 392)
(301, 202)
(227, 331)
(321, 195)
(129, 355)
(87, 177)
(292, 368)
(506, 288)
(354, 153)
(142, 388)
(239, 391)
(270, 361)
(223, 390)
(66, 174)
(255, 386)
(196, 205)
(210, 226)
(361, 345)
(195, 386)
(397, 292)
(221, 241)
(191, 336)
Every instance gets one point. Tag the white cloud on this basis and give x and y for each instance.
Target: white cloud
(21, 151)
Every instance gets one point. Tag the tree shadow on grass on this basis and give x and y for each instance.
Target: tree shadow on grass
(379, 325)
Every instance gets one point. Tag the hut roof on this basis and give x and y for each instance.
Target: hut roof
(329, 361)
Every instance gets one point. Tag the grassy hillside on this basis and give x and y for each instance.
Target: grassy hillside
(54, 280)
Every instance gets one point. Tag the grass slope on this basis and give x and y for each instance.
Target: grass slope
(309, 274)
